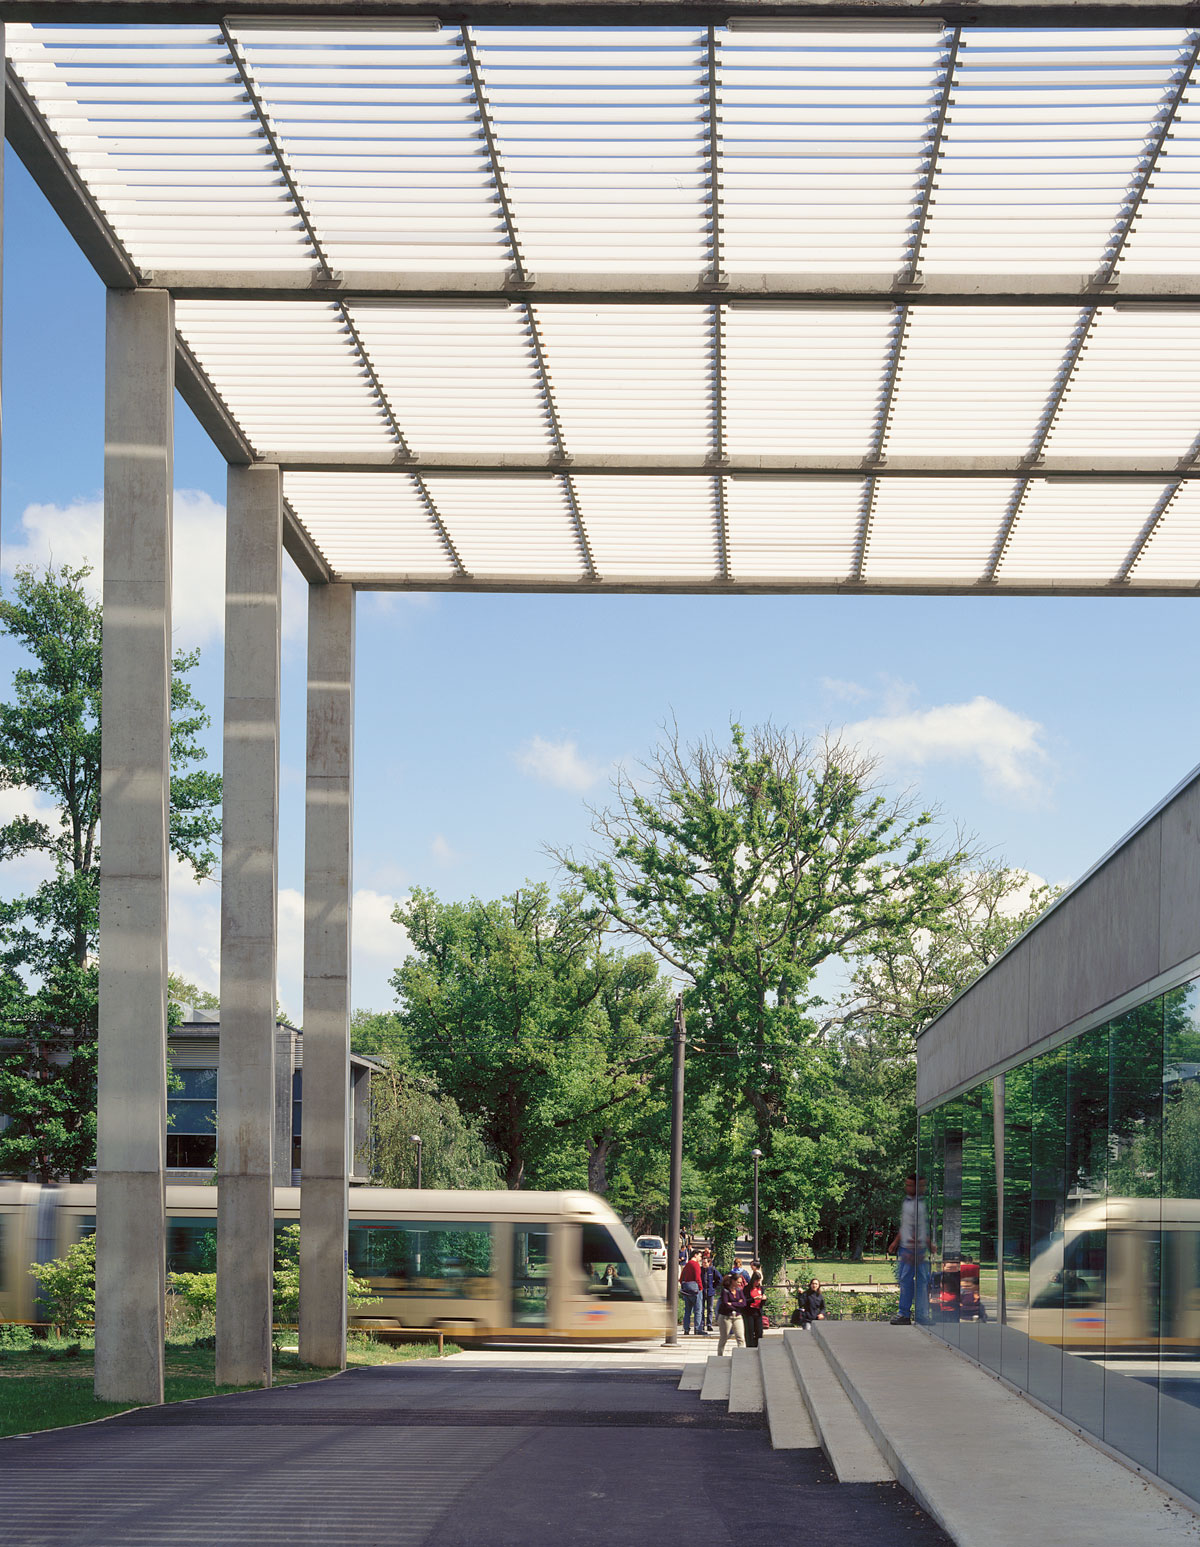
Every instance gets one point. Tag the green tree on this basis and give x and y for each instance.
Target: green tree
(50, 746)
(68, 1286)
(906, 978)
(745, 866)
(519, 1014)
(453, 1151)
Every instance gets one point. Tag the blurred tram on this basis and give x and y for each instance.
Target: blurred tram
(517, 1266)
(1123, 1276)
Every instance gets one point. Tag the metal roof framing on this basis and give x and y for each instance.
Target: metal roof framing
(717, 311)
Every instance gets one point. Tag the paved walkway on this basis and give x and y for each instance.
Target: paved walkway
(482, 1450)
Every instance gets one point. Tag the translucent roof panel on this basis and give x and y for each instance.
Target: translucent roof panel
(945, 530)
(805, 379)
(826, 134)
(459, 378)
(978, 381)
(1045, 143)
(381, 134)
(653, 527)
(290, 373)
(370, 524)
(804, 529)
(510, 526)
(1135, 393)
(1171, 551)
(1085, 530)
(1164, 237)
(638, 378)
(156, 123)
(601, 137)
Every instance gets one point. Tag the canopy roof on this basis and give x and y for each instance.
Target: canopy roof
(889, 305)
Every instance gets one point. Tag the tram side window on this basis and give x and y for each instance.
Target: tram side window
(609, 1276)
(191, 1245)
(4, 1238)
(422, 1257)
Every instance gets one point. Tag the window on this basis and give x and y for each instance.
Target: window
(419, 1257)
(192, 1120)
(609, 1276)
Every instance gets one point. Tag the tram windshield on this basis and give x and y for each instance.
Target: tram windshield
(609, 1276)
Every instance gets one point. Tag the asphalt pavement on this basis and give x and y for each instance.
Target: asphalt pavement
(481, 1450)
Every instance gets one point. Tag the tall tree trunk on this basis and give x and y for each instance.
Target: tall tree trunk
(598, 1147)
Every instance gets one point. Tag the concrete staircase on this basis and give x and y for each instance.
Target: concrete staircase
(788, 1378)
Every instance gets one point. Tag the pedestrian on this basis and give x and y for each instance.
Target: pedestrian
(912, 1246)
(752, 1317)
(729, 1310)
(743, 1273)
(691, 1286)
(710, 1276)
(811, 1304)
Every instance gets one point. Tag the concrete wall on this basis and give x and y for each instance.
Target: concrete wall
(1130, 921)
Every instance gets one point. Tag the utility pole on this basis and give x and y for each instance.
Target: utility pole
(679, 1040)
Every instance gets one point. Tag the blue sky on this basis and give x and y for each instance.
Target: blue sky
(485, 724)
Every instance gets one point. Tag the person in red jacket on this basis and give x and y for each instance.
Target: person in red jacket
(691, 1287)
(752, 1316)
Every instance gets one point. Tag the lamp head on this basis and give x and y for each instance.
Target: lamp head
(757, 1154)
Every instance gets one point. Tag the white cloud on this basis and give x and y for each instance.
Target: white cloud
(74, 534)
(20, 876)
(852, 691)
(1004, 745)
(379, 946)
(442, 851)
(560, 763)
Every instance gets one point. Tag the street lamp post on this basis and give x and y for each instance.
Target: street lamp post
(679, 1040)
(416, 1138)
(758, 1155)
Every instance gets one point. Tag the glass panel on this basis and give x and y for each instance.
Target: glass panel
(1048, 1207)
(970, 1301)
(531, 1275)
(1085, 1234)
(1018, 1176)
(989, 1228)
(4, 1237)
(191, 1116)
(196, 1084)
(418, 1257)
(1134, 1234)
(191, 1152)
(1179, 1366)
(609, 1276)
(947, 1232)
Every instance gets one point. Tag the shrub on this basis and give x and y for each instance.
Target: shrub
(68, 1283)
(14, 1339)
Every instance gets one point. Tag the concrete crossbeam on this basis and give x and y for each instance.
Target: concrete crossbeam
(134, 803)
(249, 876)
(324, 1157)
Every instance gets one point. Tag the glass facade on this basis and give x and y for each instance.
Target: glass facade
(1064, 1207)
(192, 1119)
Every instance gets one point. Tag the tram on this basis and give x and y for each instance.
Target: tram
(512, 1266)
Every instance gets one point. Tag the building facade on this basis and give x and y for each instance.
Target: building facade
(1060, 1149)
(195, 1046)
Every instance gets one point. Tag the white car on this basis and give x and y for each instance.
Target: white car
(654, 1248)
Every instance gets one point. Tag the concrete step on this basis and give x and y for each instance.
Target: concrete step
(787, 1417)
(692, 1377)
(716, 1380)
(745, 1382)
(980, 1459)
(852, 1453)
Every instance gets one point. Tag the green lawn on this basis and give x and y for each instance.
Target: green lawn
(880, 1270)
(50, 1387)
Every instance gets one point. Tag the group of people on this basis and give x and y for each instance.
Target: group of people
(730, 1304)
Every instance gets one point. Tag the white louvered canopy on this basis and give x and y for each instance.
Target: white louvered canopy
(889, 305)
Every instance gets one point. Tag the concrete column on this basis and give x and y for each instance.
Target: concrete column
(249, 876)
(134, 807)
(324, 1147)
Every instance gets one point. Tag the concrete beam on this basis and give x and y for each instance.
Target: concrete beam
(249, 877)
(596, 13)
(134, 805)
(618, 464)
(324, 1151)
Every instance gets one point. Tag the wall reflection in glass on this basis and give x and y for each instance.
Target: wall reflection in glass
(1064, 1203)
